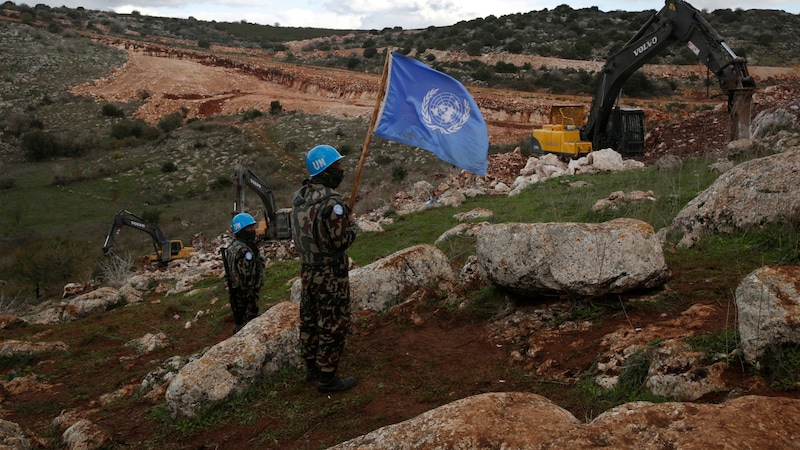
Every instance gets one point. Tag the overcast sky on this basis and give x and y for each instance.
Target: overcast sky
(377, 14)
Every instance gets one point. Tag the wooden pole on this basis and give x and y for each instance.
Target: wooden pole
(381, 94)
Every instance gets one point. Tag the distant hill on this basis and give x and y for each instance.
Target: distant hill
(764, 37)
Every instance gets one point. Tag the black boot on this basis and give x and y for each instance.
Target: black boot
(312, 370)
(329, 382)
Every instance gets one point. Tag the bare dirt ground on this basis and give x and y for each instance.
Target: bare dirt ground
(402, 357)
(201, 85)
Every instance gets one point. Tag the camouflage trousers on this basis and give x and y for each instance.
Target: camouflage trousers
(324, 314)
(244, 305)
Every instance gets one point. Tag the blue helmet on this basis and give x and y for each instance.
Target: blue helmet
(240, 221)
(320, 158)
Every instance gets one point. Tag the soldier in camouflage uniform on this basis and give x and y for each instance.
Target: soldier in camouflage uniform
(322, 230)
(244, 270)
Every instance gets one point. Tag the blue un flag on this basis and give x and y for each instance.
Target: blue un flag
(433, 111)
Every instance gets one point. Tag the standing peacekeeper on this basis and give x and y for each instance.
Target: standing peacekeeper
(244, 270)
(322, 230)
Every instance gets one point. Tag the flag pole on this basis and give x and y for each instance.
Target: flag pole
(381, 93)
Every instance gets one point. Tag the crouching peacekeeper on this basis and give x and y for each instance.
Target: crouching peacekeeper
(322, 230)
(244, 270)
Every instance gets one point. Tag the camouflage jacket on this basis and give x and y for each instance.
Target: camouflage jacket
(321, 226)
(244, 266)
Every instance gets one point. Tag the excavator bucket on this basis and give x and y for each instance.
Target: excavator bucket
(741, 109)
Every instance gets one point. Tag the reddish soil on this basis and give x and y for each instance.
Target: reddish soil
(408, 361)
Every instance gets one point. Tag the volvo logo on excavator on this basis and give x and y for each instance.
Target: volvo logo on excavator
(642, 48)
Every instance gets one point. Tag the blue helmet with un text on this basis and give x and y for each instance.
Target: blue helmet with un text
(241, 221)
(320, 158)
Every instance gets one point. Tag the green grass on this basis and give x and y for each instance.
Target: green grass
(554, 200)
(276, 281)
(590, 398)
(780, 366)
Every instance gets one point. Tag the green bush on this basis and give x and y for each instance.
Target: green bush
(136, 128)
(251, 114)
(370, 52)
(169, 167)
(399, 173)
(171, 121)
(110, 110)
(39, 146)
(780, 366)
(49, 263)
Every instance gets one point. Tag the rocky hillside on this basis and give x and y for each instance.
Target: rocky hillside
(99, 376)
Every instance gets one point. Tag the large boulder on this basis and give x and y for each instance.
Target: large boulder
(519, 420)
(391, 280)
(768, 305)
(509, 420)
(752, 194)
(584, 259)
(12, 436)
(102, 299)
(265, 345)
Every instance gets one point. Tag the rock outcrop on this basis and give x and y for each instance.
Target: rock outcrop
(752, 194)
(768, 305)
(517, 420)
(265, 345)
(572, 258)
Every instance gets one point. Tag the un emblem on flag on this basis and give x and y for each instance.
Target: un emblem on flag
(444, 111)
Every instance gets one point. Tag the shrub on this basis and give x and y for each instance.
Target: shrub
(168, 167)
(110, 110)
(370, 52)
(504, 67)
(275, 107)
(39, 145)
(128, 128)
(251, 114)
(473, 48)
(47, 264)
(399, 173)
(171, 121)
(18, 123)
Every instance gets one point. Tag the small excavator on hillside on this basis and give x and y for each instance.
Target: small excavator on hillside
(166, 250)
(622, 129)
(275, 223)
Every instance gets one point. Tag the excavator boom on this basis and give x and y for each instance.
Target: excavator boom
(609, 126)
(276, 222)
(165, 250)
(681, 22)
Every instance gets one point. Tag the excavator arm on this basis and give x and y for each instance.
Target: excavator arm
(165, 249)
(676, 21)
(246, 178)
(276, 226)
(126, 218)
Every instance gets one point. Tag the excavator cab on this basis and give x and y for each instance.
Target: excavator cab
(625, 132)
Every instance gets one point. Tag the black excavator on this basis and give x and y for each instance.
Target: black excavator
(623, 129)
(166, 250)
(275, 224)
